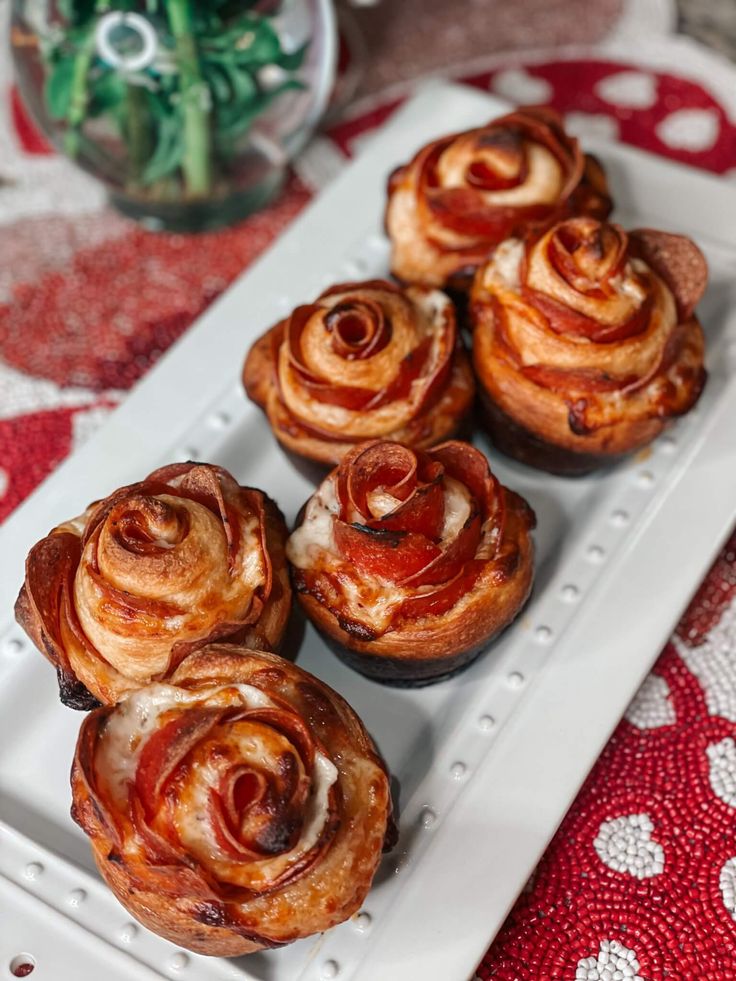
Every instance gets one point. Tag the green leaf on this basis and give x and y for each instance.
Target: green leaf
(107, 93)
(76, 11)
(294, 59)
(238, 122)
(58, 88)
(169, 151)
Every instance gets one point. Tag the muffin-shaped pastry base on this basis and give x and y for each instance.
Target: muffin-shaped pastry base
(585, 344)
(116, 598)
(365, 360)
(409, 563)
(241, 806)
(513, 440)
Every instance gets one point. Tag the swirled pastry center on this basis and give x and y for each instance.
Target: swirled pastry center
(158, 569)
(240, 797)
(361, 364)
(539, 301)
(375, 597)
(533, 172)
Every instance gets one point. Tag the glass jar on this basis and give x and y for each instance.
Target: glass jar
(188, 111)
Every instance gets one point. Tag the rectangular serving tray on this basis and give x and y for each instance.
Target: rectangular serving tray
(487, 762)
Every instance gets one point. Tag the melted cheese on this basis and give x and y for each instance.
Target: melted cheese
(371, 600)
(457, 508)
(136, 718)
(193, 821)
(504, 266)
(380, 502)
(315, 534)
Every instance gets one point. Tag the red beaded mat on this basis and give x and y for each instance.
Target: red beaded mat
(640, 880)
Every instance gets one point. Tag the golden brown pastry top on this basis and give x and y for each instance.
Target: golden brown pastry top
(364, 360)
(463, 194)
(238, 806)
(117, 597)
(396, 535)
(591, 322)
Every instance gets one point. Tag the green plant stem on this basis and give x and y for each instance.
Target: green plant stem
(79, 99)
(197, 162)
(137, 126)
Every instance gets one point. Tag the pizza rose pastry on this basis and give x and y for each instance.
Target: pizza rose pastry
(365, 360)
(409, 562)
(238, 806)
(585, 344)
(117, 597)
(461, 195)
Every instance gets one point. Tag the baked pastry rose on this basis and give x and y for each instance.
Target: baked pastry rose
(240, 806)
(116, 598)
(365, 360)
(463, 194)
(585, 344)
(410, 561)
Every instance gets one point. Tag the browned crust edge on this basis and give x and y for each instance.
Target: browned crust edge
(426, 430)
(191, 923)
(266, 633)
(431, 648)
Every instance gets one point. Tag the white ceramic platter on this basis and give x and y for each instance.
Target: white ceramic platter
(489, 761)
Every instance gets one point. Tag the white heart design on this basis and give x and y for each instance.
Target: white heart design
(84, 424)
(625, 844)
(689, 129)
(590, 124)
(516, 85)
(714, 665)
(727, 884)
(613, 961)
(634, 90)
(722, 770)
(651, 706)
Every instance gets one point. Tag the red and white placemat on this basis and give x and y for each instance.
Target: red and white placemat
(640, 881)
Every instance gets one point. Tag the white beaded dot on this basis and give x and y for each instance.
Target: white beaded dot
(330, 969)
(129, 933)
(458, 770)
(669, 442)
(362, 922)
(727, 883)
(515, 679)
(13, 646)
(221, 419)
(625, 844)
(427, 818)
(76, 897)
(486, 722)
(722, 770)
(33, 870)
(619, 518)
(178, 961)
(543, 634)
(596, 553)
(189, 453)
(645, 478)
(570, 593)
(651, 707)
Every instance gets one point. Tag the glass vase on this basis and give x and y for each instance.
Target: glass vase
(188, 111)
